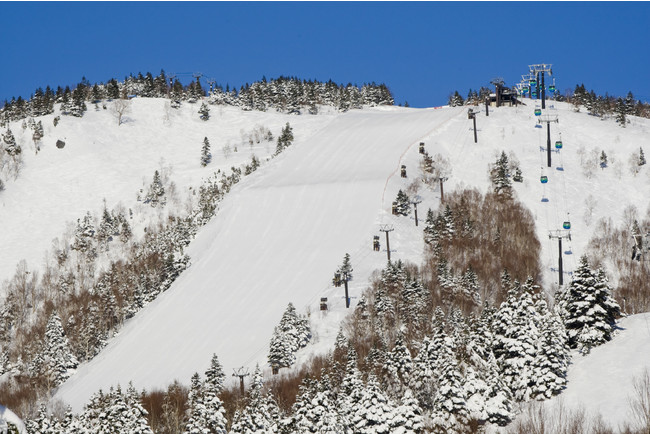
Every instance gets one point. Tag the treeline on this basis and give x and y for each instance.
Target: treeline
(607, 105)
(285, 94)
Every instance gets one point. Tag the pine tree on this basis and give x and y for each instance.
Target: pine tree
(456, 100)
(449, 403)
(316, 409)
(38, 132)
(156, 193)
(205, 409)
(289, 336)
(373, 411)
(206, 156)
(500, 176)
(204, 111)
(431, 234)
(10, 145)
(551, 364)
(621, 111)
(43, 424)
(60, 363)
(588, 309)
(516, 338)
(84, 234)
(215, 377)
(285, 139)
(136, 421)
(407, 418)
(402, 204)
(641, 157)
(345, 269)
(603, 160)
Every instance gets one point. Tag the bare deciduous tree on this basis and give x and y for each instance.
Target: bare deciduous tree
(120, 108)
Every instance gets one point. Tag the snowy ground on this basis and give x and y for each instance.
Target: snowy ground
(281, 232)
(603, 382)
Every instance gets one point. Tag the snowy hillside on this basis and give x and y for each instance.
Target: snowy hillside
(280, 234)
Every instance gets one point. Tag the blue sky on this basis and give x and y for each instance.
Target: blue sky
(422, 50)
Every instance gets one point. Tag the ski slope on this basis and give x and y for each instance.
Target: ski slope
(280, 233)
(277, 238)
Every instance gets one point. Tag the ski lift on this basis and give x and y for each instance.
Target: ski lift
(533, 83)
(558, 144)
(551, 88)
(543, 179)
(566, 225)
(538, 111)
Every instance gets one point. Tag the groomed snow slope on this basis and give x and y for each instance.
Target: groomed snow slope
(276, 239)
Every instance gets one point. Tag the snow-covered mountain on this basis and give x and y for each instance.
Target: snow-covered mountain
(281, 232)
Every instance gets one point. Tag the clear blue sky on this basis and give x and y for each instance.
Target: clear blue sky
(421, 50)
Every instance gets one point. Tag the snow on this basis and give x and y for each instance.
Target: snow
(281, 233)
(7, 415)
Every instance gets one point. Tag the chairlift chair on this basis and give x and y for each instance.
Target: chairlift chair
(558, 144)
(544, 179)
(566, 225)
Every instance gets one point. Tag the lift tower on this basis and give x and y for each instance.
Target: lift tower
(548, 119)
(538, 70)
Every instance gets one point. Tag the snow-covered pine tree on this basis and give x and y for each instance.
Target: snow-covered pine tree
(60, 363)
(285, 139)
(204, 111)
(281, 353)
(449, 413)
(215, 377)
(205, 409)
(84, 234)
(156, 193)
(289, 336)
(456, 100)
(10, 145)
(500, 176)
(402, 204)
(373, 412)
(206, 156)
(587, 307)
(642, 160)
(38, 132)
(345, 269)
(78, 104)
(407, 417)
(136, 421)
(431, 234)
(43, 423)
(552, 360)
(398, 365)
(603, 160)
(316, 409)
(516, 339)
(621, 111)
